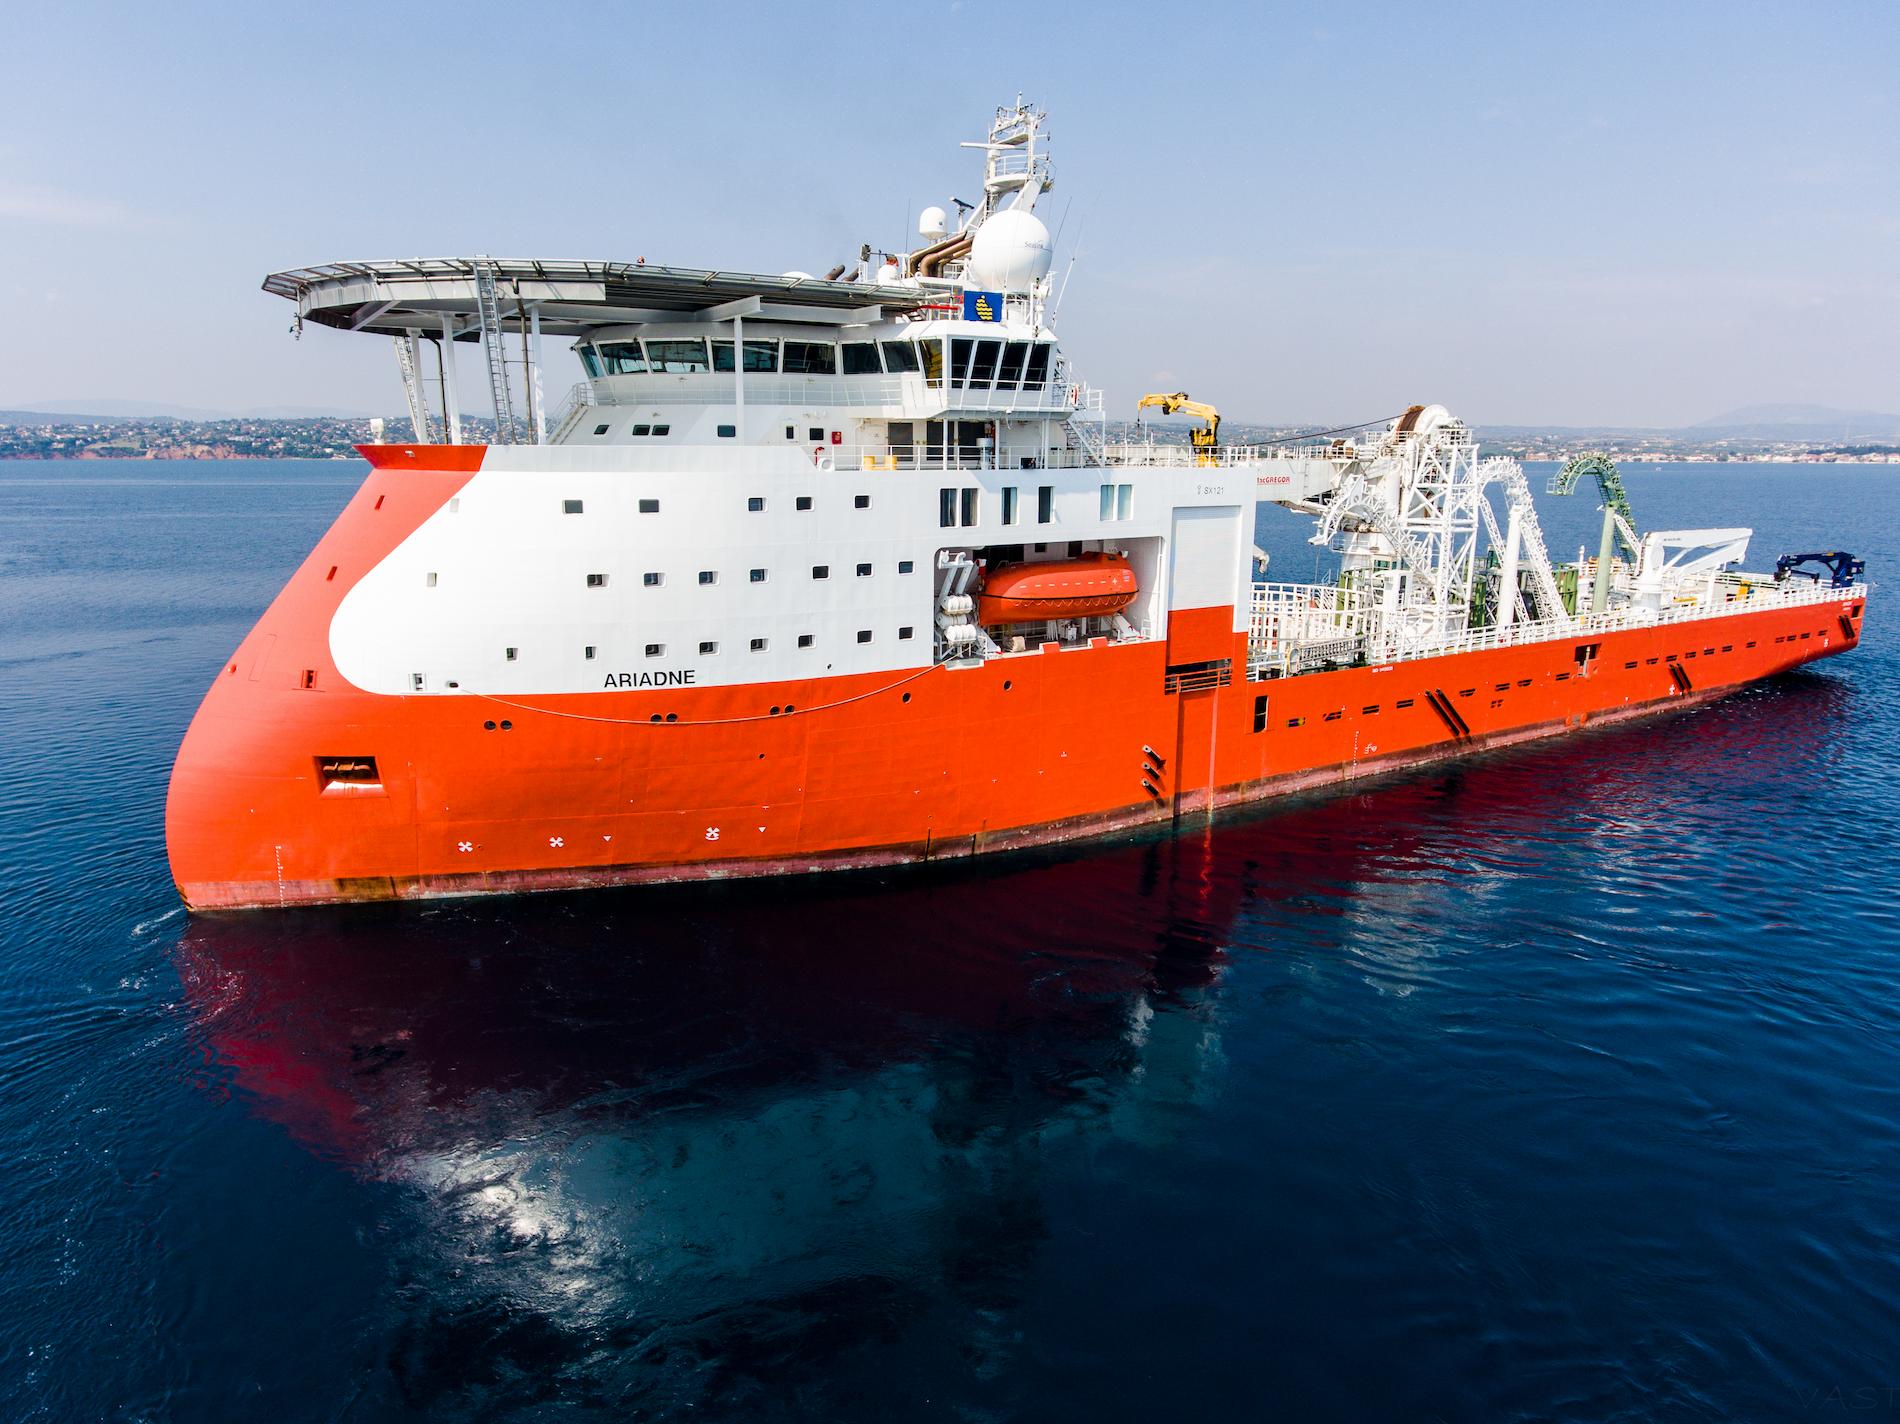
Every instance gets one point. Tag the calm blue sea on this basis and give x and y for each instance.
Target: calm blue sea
(1563, 1083)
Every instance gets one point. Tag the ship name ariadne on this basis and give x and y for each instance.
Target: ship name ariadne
(931, 608)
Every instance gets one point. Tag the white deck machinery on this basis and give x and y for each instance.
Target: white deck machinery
(1405, 507)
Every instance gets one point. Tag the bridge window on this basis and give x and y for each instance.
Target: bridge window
(810, 358)
(759, 356)
(932, 352)
(590, 361)
(983, 365)
(622, 358)
(860, 359)
(1036, 372)
(1010, 373)
(678, 358)
(900, 356)
(962, 352)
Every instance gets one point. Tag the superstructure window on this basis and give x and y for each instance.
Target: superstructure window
(900, 356)
(600, 430)
(1009, 504)
(1045, 503)
(597, 580)
(759, 356)
(706, 650)
(1010, 374)
(707, 576)
(804, 640)
(1036, 370)
(864, 570)
(656, 650)
(1260, 714)
(861, 501)
(1124, 501)
(622, 358)
(757, 575)
(802, 502)
(641, 430)
(864, 635)
(570, 506)
(755, 504)
(946, 508)
(810, 358)
(819, 571)
(652, 580)
(983, 364)
(969, 506)
(905, 566)
(860, 359)
(649, 506)
(678, 358)
(758, 645)
(728, 432)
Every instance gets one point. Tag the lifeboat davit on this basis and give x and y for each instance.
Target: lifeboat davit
(1091, 586)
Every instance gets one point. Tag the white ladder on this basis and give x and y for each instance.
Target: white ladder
(420, 432)
(489, 306)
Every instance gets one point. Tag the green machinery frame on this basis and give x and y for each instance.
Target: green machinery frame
(1618, 522)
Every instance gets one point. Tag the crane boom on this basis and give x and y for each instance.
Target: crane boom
(1205, 438)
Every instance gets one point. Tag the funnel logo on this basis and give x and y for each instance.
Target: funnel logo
(982, 306)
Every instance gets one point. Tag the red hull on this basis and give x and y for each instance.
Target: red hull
(581, 790)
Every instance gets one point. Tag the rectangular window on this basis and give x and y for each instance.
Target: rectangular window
(860, 359)
(1108, 502)
(821, 571)
(429, 579)
(906, 632)
(758, 645)
(590, 363)
(641, 430)
(946, 508)
(597, 580)
(1296, 721)
(1010, 374)
(962, 349)
(790, 433)
(804, 640)
(600, 430)
(728, 432)
(759, 355)
(905, 566)
(932, 352)
(861, 501)
(1260, 714)
(757, 575)
(649, 506)
(1036, 372)
(811, 358)
(1403, 702)
(755, 504)
(900, 356)
(1009, 504)
(969, 507)
(817, 433)
(1372, 711)
(656, 650)
(864, 635)
(622, 358)
(570, 506)
(709, 576)
(983, 363)
(802, 502)
(1333, 716)
(1124, 501)
(1045, 503)
(707, 649)
(652, 580)
(864, 570)
(678, 358)
(588, 652)
(510, 654)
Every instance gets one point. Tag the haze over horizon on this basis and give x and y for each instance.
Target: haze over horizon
(1611, 217)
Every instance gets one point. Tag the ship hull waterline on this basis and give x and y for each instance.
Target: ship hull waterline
(490, 795)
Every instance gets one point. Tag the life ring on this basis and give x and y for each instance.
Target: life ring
(820, 458)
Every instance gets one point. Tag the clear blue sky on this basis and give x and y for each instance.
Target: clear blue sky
(1571, 214)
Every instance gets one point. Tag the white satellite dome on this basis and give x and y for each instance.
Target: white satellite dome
(933, 224)
(798, 276)
(1010, 252)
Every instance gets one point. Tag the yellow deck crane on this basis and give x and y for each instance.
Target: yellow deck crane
(1204, 438)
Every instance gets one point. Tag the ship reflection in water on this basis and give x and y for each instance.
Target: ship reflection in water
(836, 1144)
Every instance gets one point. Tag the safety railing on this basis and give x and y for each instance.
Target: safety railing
(1297, 627)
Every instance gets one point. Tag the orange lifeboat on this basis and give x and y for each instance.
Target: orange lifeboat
(1091, 586)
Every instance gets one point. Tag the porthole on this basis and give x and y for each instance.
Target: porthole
(907, 697)
(488, 726)
(506, 725)
(672, 716)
